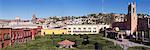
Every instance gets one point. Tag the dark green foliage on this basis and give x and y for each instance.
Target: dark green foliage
(49, 42)
(138, 48)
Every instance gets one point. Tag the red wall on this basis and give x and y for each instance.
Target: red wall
(17, 36)
(5, 42)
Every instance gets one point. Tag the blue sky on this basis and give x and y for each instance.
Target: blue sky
(45, 8)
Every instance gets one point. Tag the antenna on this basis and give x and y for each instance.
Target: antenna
(134, 2)
(102, 5)
(34, 12)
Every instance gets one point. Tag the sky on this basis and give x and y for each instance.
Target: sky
(9, 9)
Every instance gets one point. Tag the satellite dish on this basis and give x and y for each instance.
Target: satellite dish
(116, 28)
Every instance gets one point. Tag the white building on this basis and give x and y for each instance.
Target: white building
(119, 17)
(84, 29)
(3, 24)
(22, 25)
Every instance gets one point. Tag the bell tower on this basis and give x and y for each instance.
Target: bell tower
(132, 18)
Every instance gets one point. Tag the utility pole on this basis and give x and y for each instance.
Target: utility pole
(102, 5)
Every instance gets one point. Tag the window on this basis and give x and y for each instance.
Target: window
(69, 31)
(44, 33)
(133, 10)
(6, 36)
(65, 28)
(63, 33)
(79, 28)
(74, 28)
(84, 28)
(104, 27)
(69, 28)
(89, 28)
(53, 33)
(94, 31)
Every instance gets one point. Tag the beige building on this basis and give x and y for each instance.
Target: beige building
(84, 29)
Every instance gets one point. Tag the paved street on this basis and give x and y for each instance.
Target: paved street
(125, 44)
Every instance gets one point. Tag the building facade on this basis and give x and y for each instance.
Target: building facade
(84, 29)
(132, 18)
(53, 31)
(5, 37)
(12, 36)
(130, 25)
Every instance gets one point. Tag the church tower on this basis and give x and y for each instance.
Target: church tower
(34, 18)
(132, 18)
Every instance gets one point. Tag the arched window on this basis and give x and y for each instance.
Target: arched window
(6, 36)
(44, 33)
(133, 10)
(63, 33)
(53, 33)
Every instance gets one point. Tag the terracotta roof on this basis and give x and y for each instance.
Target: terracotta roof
(66, 42)
(4, 20)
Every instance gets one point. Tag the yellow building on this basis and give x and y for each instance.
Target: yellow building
(53, 31)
